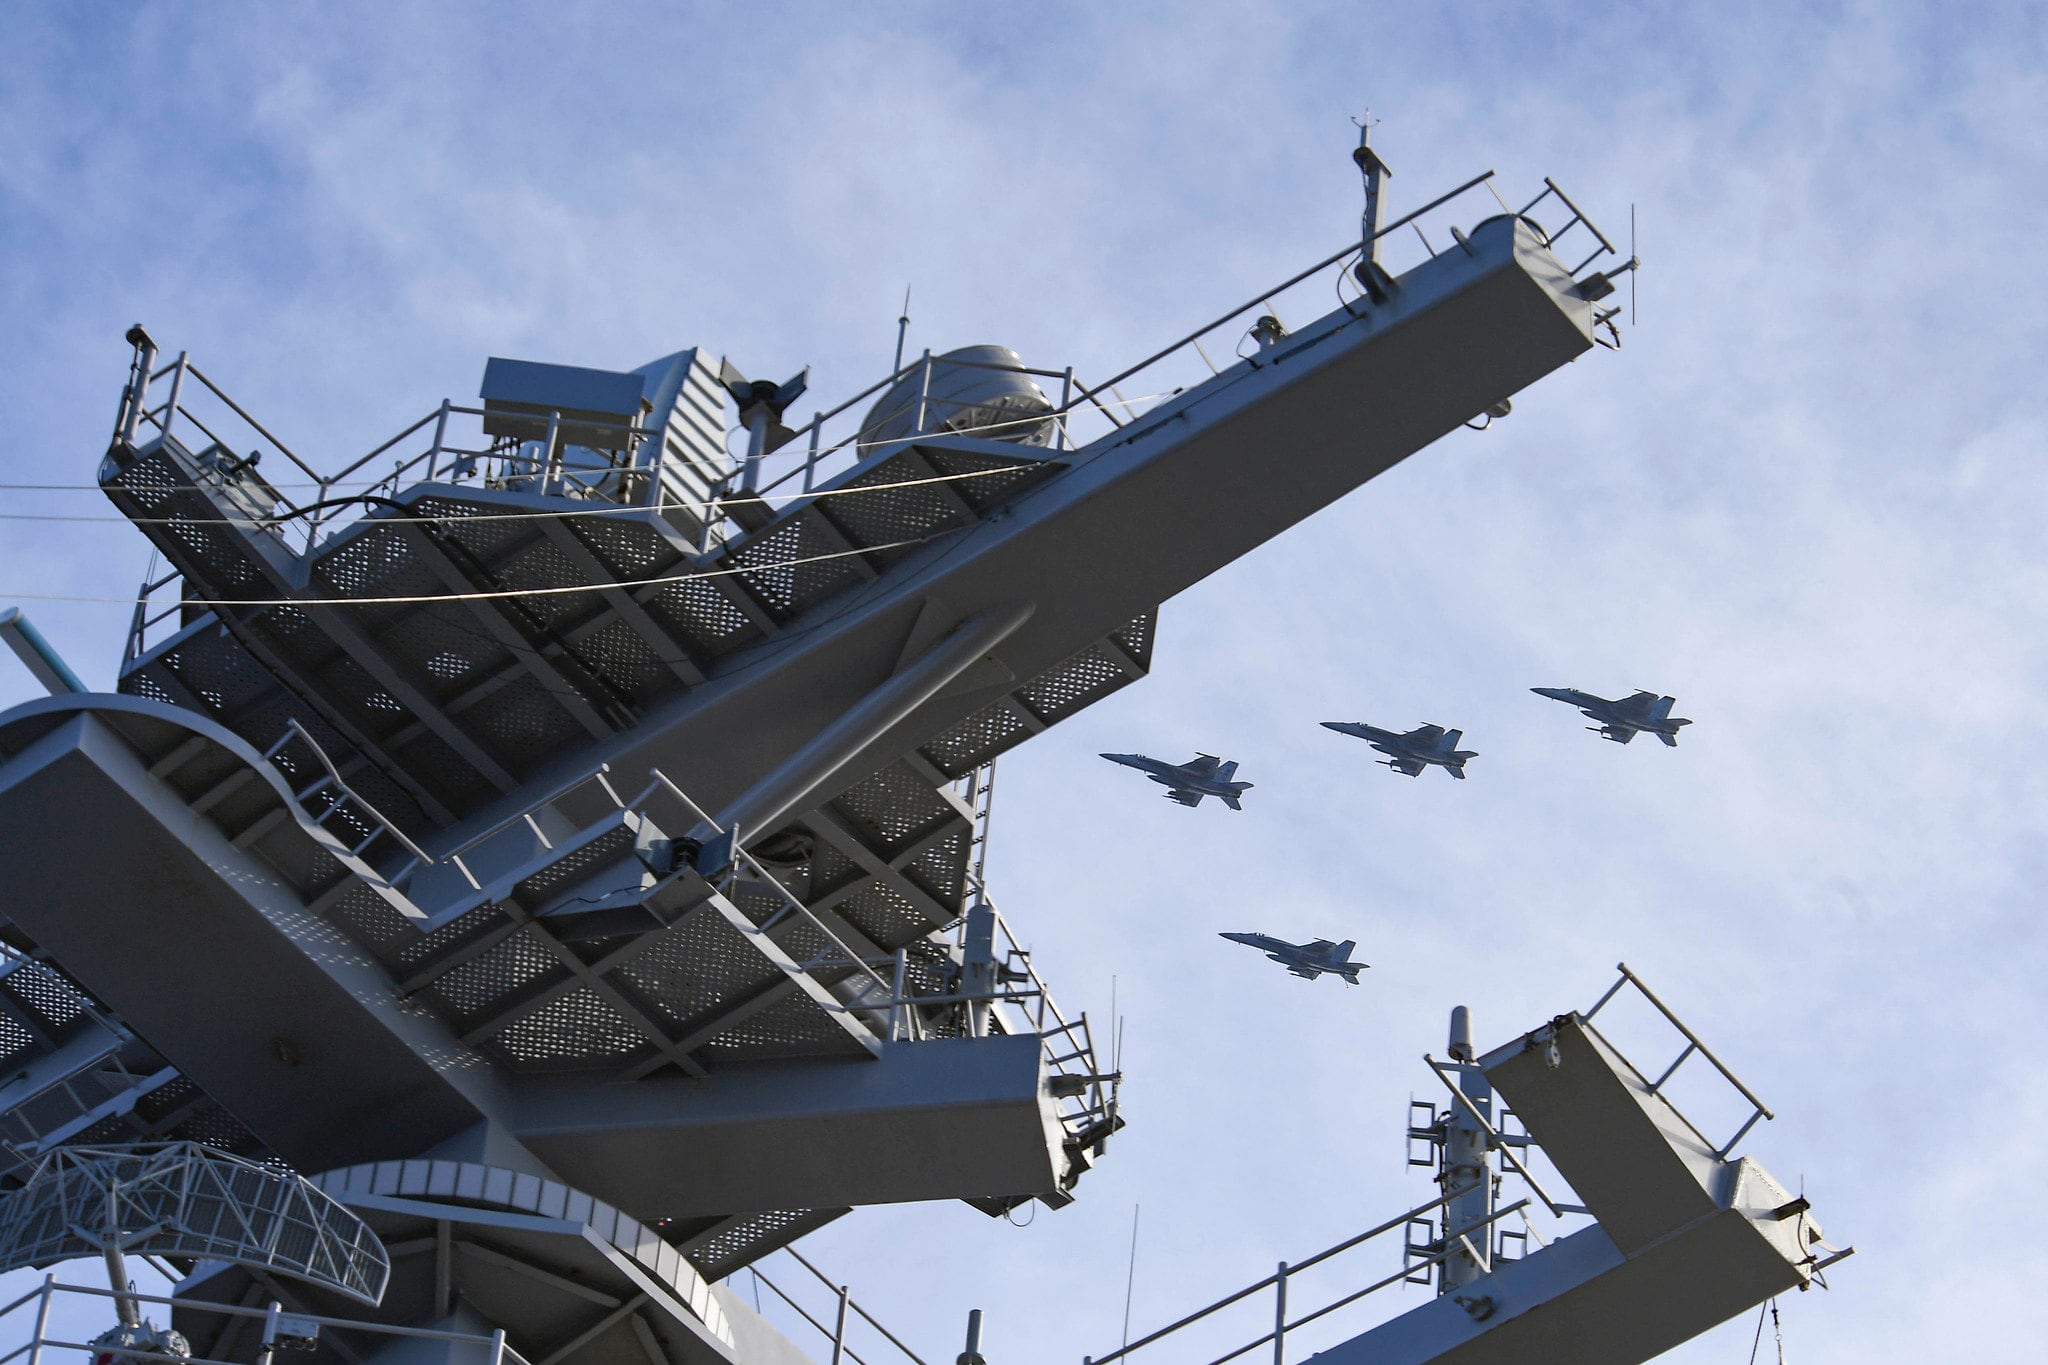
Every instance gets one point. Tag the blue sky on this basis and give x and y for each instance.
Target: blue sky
(1805, 498)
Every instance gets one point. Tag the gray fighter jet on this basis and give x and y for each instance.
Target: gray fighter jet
(1307, 960)
(1410, 753)
(1621, 721)
(1188, 783)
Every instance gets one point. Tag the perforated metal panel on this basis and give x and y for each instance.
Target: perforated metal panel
(569, 1033)
(776, 579)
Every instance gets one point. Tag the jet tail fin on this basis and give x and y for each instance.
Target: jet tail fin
(1660, 709)
(1230, 800)
(1670, 741)
(1342, 952)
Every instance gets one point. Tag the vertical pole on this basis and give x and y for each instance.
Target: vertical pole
(757, 446)
(35, 1348)
(440, 439)
(924, 391)
(1468, 1165)
(1369, 272)
(897, 1004)
(550, 454)
(972, 1355)
(839, 1330)
(177, 387)
(902, 331)
(978, 966)
(1280, 1316)
(1059, 431)
(266, 1348)
(138, 390)
(498, 1347)
(811, 460)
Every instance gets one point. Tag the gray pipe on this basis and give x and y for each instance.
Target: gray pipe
(33, 650)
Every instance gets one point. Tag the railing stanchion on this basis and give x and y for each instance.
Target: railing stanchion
(811, 460)
(35, 1349)
(1066, 396)
(177, 388)
(924, 390)
(839, 1330)
(1280, 1315)
(440, 439)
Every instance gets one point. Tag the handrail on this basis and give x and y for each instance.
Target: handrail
(1290, 1269)
(259, 428)
(1692, 1038)
(292, 726)
(1251, 1289)
(1291, 281)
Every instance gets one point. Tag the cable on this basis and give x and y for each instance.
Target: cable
(660, 579)
(605, 510)
(1028, 419)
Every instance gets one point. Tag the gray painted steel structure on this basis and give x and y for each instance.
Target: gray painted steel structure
(389, 885)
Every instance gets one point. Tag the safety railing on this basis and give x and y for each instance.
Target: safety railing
(281, 1329)
(1693, 1045)
(847, 1328)
(1284, 1319)
(832, 443)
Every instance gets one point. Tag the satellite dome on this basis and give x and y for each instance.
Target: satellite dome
(974, 391)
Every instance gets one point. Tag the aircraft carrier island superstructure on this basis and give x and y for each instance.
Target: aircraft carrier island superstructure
(554, 842)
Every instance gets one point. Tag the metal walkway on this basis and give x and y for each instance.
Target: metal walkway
(1685, 1235)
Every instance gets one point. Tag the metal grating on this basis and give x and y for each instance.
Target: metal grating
(695, 611)
(449, 654)
(793, 1026)
(1081, 679)
(571, 1032)
(376, 561)
(482, 986)
(541, 564)
(739, 1242)
(1136, 638)
(627, 661)
(890, 511)
(885, 915)
(521, 723)
(941, 870)
(45, 995)
(994, 478)
(458, 933)
(975, 740)
(894, 807)
(629, 549)
(786, 588)
(15, 1042)
(685, 976)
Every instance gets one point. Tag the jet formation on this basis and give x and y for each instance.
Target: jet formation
(1306, 960)
(1621, 721)
(1187, 783)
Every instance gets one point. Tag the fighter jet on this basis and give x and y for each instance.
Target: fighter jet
(1410, 753)
(1187, 783)
(1306, 960)
(1621, 721)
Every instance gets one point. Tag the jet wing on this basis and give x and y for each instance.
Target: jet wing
(1426, 734)
(1201, 765)
(1321, 945)
(1620, 734)
(1638, 704)
(1186, 798)
(1306, 973)
(1407, 766)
